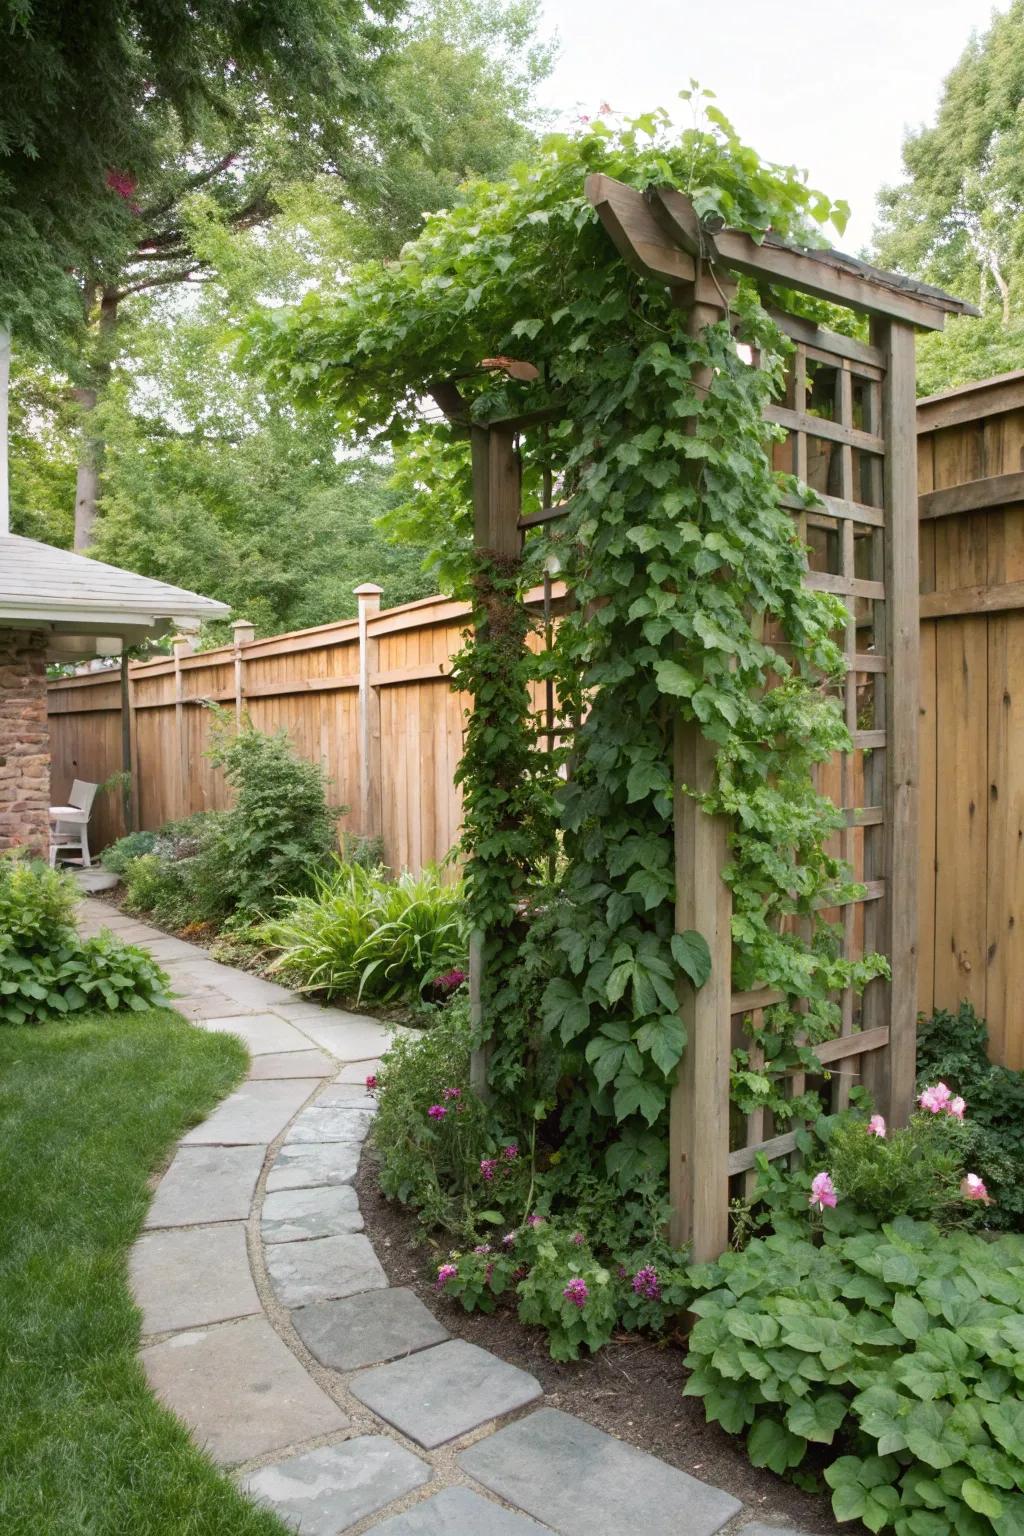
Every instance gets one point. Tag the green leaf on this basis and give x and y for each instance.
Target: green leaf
(910, 1316)
(817, 1417)
(981, 1499)
(691, 953)
(771, 1445)
(663, 1039)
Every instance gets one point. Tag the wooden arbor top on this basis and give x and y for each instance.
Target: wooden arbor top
(659, 234)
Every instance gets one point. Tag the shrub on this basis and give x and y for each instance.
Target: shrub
(46, 970)
(364, 937)
(280, 828)
(914, 1172)
(133, 846)
(953, 1047)
(901, 1348)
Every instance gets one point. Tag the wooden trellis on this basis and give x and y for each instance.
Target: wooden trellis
(849, 418)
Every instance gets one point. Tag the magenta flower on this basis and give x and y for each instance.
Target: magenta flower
(371, 1083)
(511, 1152)
(876, 1126)
(956, 1107)
(646, 1283)
(935, 1099)
(509, 1240)
(482, 1248)
(577, 1239)
(576, 1292)
(452, 1093)
(437, 1111)
(973, 1188)
(487, 1167)
(445, 1273)
(822, 1191)
(534, 1220)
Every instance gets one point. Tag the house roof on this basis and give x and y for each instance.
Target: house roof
(73, 594)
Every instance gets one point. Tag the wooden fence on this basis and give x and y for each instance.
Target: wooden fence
(971, 483)
(369, 698)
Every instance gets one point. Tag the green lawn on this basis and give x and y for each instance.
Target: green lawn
(87, 1111)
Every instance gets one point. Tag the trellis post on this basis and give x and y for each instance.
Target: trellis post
(699, 1105)
(890, 1074)
(242, 633)
(497, 503)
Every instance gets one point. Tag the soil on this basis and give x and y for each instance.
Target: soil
(631, 1389)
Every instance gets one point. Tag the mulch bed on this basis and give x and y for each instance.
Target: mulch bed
(631, 1389)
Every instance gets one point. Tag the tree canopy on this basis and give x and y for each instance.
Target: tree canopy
(958, 218)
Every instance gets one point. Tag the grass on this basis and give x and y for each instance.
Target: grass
(87, 1111)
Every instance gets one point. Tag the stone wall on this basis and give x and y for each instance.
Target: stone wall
(24, 742)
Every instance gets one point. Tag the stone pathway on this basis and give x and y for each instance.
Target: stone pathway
(269, 1326)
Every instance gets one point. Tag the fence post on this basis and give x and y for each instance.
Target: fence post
(181, 646)
(368, 596)
(242, 633)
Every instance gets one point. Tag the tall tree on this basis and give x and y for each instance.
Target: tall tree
(958, 218)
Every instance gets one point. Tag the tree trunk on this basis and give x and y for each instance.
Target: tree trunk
(90, 453)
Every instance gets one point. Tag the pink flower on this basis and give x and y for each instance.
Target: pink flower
(511, 1152)
(534, 1220)
(576, 1292)
(509, 1240)
(646, 1283)
(876, 1126)
(452, 1093)
(437, 1111)
(371, 1083)
(577, 1239)
(482, 1248)
(957, 1106)
(822, 1191)
(973, 1188)
(445, 1273)
(487, 1167)
(935, 1099)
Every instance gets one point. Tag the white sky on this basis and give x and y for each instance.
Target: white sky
(823, 85)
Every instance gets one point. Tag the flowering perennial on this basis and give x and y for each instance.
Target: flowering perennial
(822, 1191)
(876, 1126)
(576, 1292)
(445, 1273)
(646, 1283)
(437, 1111)
(973, 1188)
(938, 1099)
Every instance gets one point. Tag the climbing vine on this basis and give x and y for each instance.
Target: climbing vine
(686, 572)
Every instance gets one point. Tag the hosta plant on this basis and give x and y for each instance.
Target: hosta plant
(901, 1349)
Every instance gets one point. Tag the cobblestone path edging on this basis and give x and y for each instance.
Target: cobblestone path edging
(270, 1329)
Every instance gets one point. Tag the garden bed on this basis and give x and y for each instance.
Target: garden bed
(631, 1389)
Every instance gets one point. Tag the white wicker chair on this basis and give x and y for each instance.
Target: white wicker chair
(69, 824)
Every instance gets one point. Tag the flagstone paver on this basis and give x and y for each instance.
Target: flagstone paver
(459, 1512)
(322, 1268)
(261, 1033)
(445, 1392)
(303, 1164)
(241, 1390)
(230, 1374)
(329, 1123)
(580, 1480)
(368, 1329)
(256, 1112)
(292, 1215)
(323, 1492)
(292, 1064)
(184, 1277)
(206, 1184)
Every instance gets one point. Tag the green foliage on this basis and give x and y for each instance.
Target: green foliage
(432, 1165)
(953, 1048)
(46, 970)
(133, 846)
(958, 218)
(902, 1349)
(915, 1171)
(280, 827)
(362, 937)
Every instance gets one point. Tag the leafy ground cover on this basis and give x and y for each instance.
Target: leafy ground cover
(88, 1109)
